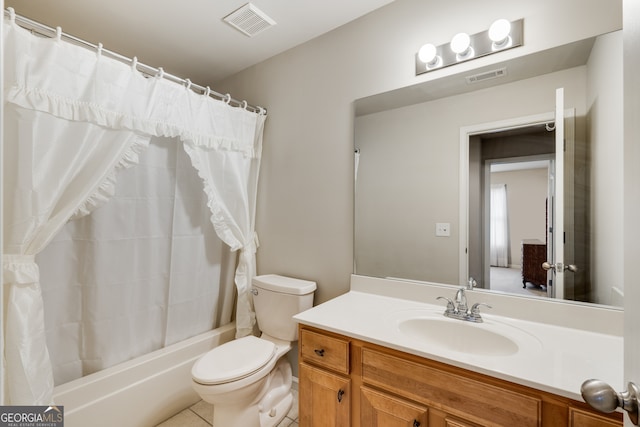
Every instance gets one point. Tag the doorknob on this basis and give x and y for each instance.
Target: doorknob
(571, 267)
(548, 266)
(604, 398)
(559, 267)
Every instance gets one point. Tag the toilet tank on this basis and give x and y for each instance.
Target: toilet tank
(276, 299)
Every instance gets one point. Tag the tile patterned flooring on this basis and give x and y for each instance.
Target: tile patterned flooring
(201, 415)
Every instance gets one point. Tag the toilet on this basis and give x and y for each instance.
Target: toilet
(248, 380)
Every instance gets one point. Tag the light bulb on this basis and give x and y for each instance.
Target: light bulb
(461, 46)
(499, 34)
(460, 43)
(499, 30)
(427, 53)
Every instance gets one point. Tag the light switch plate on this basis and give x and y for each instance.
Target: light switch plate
(443, 229)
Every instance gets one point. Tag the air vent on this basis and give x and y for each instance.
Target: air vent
(249, 20)
(488, 75)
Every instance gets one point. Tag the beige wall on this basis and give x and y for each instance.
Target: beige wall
(305, 202)
(526, 202)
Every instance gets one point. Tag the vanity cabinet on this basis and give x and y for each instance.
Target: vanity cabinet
(349, 382)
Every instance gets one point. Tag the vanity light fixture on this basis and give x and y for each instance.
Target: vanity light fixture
(502, 35)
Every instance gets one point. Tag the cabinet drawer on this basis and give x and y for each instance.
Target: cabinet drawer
(458, 395)
(326, 351)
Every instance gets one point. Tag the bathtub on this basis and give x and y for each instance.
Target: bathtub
(141, 392)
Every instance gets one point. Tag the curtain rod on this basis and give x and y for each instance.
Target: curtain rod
(50, 32)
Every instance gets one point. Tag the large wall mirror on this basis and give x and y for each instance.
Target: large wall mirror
(456, 177)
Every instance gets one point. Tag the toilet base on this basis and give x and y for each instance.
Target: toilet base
(280, 411)
(275, 402)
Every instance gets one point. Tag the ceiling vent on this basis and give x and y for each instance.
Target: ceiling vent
(487, 75)
(249, 20)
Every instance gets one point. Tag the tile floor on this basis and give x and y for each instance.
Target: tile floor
(201, 415)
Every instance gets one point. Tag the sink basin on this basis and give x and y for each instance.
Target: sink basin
(478, 339)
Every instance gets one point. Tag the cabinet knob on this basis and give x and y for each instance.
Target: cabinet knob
(416, 423)
(340, 394)
(319, 352)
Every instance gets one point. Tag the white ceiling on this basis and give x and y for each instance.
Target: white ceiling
(188, 38)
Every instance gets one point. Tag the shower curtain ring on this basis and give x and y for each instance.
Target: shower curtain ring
(227, 98)
(134, 63)
(99, 50)
(160, 73)
(12, 14)
(58, 33)
(188, 83)
(207, 91)
(244, 104)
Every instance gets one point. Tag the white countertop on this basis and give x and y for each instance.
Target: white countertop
(558, 359)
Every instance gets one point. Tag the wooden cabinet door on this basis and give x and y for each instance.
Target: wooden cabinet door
(449, 422)
(324, 398)
(382, 410)
(580, 418)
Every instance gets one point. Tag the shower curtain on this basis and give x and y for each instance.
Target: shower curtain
(144, 271)
(72, 120)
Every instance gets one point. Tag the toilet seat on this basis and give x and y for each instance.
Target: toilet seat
(233, 361)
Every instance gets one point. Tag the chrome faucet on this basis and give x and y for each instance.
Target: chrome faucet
(461, 301)
(459, 309)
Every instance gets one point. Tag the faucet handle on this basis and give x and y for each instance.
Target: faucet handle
(474, 316)
(450, 306)
(475, 308)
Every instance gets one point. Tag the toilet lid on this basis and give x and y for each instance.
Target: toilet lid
(234, 360)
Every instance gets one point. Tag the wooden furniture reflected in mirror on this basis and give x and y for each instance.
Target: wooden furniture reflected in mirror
(534, 253)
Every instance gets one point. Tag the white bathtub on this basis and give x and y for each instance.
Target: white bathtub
(141, 392)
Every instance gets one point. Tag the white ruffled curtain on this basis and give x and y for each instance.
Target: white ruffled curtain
(225, 173)
(72, 118)
(499, 227)
(43, 187)
(144, 271)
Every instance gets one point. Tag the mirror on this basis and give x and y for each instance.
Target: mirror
(423, 173)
